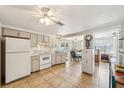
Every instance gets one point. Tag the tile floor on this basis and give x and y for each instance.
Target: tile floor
(67, 75)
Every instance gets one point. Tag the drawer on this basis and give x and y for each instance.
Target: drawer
(35, 64)
(45, 66)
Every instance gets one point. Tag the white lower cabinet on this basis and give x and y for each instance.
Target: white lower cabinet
(64, 58)
(53, 61)
(35, 63)
(58, 58)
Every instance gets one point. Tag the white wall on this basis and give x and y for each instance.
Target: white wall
(75, 42)
(101, 29)
(118, 58)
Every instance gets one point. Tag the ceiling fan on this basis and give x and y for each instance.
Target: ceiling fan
(47, 18)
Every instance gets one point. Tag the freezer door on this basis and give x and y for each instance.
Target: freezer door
(17, 65)
(17, 45)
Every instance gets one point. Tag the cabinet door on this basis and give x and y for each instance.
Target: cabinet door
(45, 39)
(40, 38)
(10, 32)
(53, 60)
(58, 59)
(24, 34)
(33, 40)
(63, 58)
(51, 41)
(35, 63)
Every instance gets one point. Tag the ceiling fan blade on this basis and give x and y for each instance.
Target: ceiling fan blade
(60, 23)
(36, 15)
(55, 21)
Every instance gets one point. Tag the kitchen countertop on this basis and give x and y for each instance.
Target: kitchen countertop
(40, 53)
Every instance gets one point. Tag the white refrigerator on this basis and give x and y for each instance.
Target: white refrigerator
(17, 58)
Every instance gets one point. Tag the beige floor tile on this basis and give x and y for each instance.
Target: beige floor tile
(65, 84)
(32, 76)
(44, 85)
(48, 75)
(17, 84)
(55, 81)
(35, 82)
(42, 72)
(57, 70)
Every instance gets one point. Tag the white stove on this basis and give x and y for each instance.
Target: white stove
(45, 60)
(45, 56)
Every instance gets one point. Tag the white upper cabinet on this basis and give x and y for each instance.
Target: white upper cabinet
(33, 40)
(10, 32)
(24, 34)
(15, 33)
(35, 63)
(40, 38)
(46, 39)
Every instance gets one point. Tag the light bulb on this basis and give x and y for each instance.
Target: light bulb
(50, 13)
(42, 20)
(47, 21)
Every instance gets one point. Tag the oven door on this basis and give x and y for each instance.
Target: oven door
(45, 60)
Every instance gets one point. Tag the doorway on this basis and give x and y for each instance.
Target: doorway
(76, 43)
(106, 45)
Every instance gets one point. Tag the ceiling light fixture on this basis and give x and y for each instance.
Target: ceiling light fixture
(58, 36)
(46, 21)
(47, 17)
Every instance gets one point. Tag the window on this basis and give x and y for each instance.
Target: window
(104, 45)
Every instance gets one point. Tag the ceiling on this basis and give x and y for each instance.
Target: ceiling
(75, 17)
(107, 34)
(75, 38)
